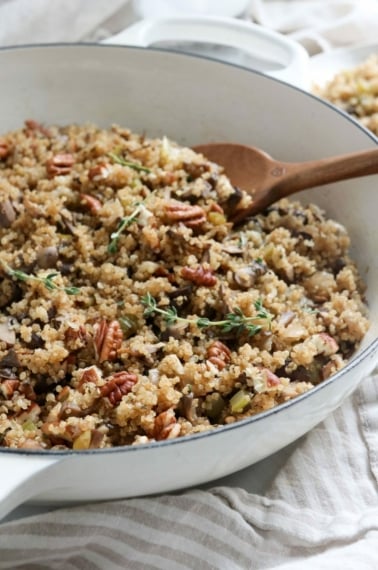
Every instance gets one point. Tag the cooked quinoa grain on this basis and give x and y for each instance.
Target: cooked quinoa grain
(131, 309)
(355, 91)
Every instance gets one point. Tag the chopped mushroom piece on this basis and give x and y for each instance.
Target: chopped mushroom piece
(7, 214)
(7, 333)
(47, 257)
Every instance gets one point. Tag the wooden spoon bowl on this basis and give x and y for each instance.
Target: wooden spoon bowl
(268, 180)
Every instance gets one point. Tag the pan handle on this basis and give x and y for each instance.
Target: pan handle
(23, 477)
(270, 52)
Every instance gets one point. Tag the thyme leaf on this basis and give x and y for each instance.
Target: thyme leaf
(48, 280)
(310, 310)
(235, 321)
(125, 222)
(242, 242)
(134, 165)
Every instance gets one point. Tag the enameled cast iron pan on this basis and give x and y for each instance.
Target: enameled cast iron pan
(193, 100)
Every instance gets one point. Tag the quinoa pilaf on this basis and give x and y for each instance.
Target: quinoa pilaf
(131, 309)
(355, 91)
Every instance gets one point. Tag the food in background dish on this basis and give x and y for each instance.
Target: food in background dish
(355, 91)
(131, 310)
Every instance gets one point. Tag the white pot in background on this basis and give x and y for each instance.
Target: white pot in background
(166, 8)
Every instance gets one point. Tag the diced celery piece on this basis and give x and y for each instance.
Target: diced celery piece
(239, 401)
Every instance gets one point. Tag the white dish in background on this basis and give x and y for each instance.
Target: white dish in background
(325, 65)
(167, 8)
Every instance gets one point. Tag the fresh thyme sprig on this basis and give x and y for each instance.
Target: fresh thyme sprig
(125, 222)
(47, 280)
(134, 165)
(236, 321)
(310, 310)
(242, 242)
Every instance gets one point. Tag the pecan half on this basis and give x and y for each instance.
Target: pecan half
(4, 148)
(199, 276)
(60, 164)
(190, 216)
(32, 125)
(218, 354)
(166, 426)
(108, 339)
(118, 385)
(93, 205)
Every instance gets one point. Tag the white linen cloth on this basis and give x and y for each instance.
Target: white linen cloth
(42, 21)
(319, 512)
(318, 24)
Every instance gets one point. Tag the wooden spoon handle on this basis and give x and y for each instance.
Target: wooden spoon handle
(303, 175)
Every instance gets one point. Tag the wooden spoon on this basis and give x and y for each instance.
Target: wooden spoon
(267, 180)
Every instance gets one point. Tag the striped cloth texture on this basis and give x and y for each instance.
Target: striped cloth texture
(319, 513)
